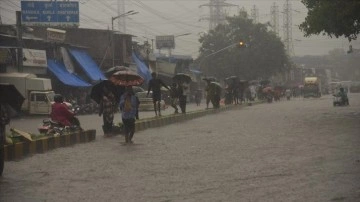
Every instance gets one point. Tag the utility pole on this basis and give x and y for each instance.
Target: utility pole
(255, 14)
(288, 28)
(121, 21)
(274, 21)
(217, 12)
(19, 42)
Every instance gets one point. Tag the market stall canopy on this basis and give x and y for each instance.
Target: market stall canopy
(67, 78)
(89, 66)
(142, 68)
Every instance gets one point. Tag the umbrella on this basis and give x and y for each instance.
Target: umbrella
(98, 89)
(209, 79)
(266, 89)
(11, 96)
(112, 70)
(182, 77)
(126, 78)
(233, 77)
(137, 89)
(215, 84)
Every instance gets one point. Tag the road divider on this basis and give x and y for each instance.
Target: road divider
(25, 148)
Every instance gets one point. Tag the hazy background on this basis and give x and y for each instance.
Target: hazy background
(168, 17)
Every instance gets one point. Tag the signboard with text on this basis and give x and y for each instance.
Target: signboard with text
(167, 41)
(50, 13)
(34, 58)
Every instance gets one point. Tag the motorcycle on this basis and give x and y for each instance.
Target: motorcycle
(339, 101)
(53, 128)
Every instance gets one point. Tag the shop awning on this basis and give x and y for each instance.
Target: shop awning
(89, 66)
(59, 70)
(142, 69)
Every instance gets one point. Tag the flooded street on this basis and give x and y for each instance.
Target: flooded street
(297, 150)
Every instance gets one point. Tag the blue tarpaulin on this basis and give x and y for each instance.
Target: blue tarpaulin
(142, 69)
(89, 66)
(59, 70)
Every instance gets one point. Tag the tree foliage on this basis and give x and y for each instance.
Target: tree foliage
(332, 17)
(263, 57)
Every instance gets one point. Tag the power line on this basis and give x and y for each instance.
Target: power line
(274, 19)
(288, 28)
(217, 13)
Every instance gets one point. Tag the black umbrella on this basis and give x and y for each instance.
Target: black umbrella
(11, 96)
(98, 89)
(182, 77)
(209, 79)
(112, 70)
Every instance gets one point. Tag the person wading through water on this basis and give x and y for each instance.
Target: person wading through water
(107, 109)
(128, 107)
(174, 94)
(155, 85)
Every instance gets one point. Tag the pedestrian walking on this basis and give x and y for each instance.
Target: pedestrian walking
(174, 95)
(182, 87)
(107, 109)
(155, 85)
(208, 96)
(128, 107)
(198, 95)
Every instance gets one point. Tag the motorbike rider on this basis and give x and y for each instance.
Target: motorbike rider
(60, 112)
(343, 95)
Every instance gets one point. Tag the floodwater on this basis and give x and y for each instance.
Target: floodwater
(297, 150)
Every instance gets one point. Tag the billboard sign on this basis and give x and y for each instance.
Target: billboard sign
(50, 13)
(56, 34)
(167, 41)
(34, 58)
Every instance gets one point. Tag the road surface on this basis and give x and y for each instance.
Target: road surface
(297, 150)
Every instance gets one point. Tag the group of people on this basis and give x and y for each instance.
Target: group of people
(128, 104)
(177, 94)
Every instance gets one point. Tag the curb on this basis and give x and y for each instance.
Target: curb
(26, 148)
(175, 118)
(21, 149)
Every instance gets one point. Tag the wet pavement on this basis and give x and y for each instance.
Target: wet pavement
(297, 150)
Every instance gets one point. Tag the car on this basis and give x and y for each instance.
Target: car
(146, 102)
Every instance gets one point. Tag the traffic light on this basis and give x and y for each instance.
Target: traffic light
(242, 44)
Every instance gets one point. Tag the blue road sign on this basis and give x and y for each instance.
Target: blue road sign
(50, 13)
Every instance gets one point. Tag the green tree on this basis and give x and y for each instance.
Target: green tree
(332, 17)
(263, 57)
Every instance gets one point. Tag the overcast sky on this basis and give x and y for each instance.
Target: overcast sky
(177, 17)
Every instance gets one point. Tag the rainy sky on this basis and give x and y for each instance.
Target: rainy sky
(178, 17)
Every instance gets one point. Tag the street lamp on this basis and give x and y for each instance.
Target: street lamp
(182, 35)
(132, 12)
(240, 44)
(175, 36)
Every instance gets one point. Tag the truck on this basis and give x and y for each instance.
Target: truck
(37, 92)
(312, 87)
